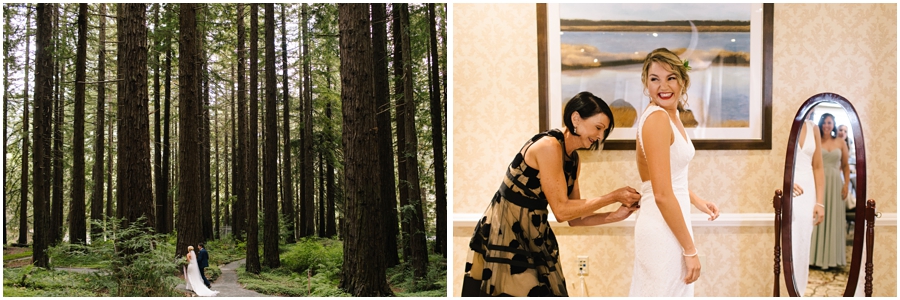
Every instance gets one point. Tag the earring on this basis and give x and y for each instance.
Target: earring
(575, 130)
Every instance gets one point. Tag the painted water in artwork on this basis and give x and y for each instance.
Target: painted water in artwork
(602, 47)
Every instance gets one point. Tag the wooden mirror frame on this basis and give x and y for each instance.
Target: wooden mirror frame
(865, 210)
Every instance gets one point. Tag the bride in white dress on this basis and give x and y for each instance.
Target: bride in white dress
(192, 280)
(665, 259)
(807, 208)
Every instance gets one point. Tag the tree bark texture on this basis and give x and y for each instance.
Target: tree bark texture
(270, 159)
(437, 137)
(307, 137)
(400, 115)
(287, 184)
(77, 226)
(23, 205)
(167, 147)
(189, 228)
(385, 140)
(419, 253)
(42, 104)
(133, 172)
(363, 268)
(252, 264)
(240, 206)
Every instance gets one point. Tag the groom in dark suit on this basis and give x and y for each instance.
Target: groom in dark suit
(203, 263)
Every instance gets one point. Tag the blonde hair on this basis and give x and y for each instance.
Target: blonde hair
(665, 57)
(190, 248)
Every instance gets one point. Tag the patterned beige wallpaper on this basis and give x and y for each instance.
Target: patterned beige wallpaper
(841, 48)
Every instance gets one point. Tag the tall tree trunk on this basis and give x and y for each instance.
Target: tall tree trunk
(77, 226)
(167, 148)
(309, 212)
(287, 183)
(385, 142)
(56, 213)
(133, 172)
(241, 181)
(400, 115)
(252, 264)
(6, 60)
(270, 159)
(42, 104)
(320, 225)
(437, 137)
(218, 216)
(205, 177)
(419, 253)
(363, 270)
(235, 158)
(161, 190)
(23, 205)
(110, 213)
(190, 230)
(97, 173)
(120, 94)
(330, 229)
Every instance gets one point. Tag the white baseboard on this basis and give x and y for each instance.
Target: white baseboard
(697, 220)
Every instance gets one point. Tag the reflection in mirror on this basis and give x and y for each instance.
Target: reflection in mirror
(822, 221)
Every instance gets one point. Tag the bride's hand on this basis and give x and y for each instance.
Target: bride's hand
(708, 208)
(692, 263)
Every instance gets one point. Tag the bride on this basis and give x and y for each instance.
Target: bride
(192, 280)
(665, 258)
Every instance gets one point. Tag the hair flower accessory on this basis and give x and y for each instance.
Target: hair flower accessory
(687, 65)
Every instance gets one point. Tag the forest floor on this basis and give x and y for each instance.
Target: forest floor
(14, 257)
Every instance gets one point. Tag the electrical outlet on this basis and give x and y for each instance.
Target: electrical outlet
(583, 265)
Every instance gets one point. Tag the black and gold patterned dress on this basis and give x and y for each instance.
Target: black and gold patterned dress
(513, 251)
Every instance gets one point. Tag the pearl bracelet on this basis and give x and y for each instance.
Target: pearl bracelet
(691, 255)
(820, 204)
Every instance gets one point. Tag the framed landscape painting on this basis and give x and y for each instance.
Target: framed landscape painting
(600, 48)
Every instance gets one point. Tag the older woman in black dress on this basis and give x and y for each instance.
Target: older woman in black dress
(513, 251)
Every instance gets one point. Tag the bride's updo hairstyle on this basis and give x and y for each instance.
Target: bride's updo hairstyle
(668, 58)
(587, 105)
(190, 248)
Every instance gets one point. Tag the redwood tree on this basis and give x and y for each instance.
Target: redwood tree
(133, 155)
(23, 205)
(363, 270)
(385, 141)
(42, 104)
(437, 138)
(252, 264)
(77, 227)
(188, 227)
(270, 155)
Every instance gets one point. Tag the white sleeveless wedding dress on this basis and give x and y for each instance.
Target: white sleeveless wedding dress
(659, 268)
(192, 279)
(802, 208)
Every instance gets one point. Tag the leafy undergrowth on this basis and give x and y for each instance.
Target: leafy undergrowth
(224, 251)
(30, 281)
(308, 268)
(434, 284)
(280, 282)
(312, 267)
(79, 256)
(13, 253)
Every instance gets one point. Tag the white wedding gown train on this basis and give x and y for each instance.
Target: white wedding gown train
(192, 279)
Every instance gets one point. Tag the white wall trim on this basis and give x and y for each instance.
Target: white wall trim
(697, 220)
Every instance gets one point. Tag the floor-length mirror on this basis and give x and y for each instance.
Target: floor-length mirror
(823, 202)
